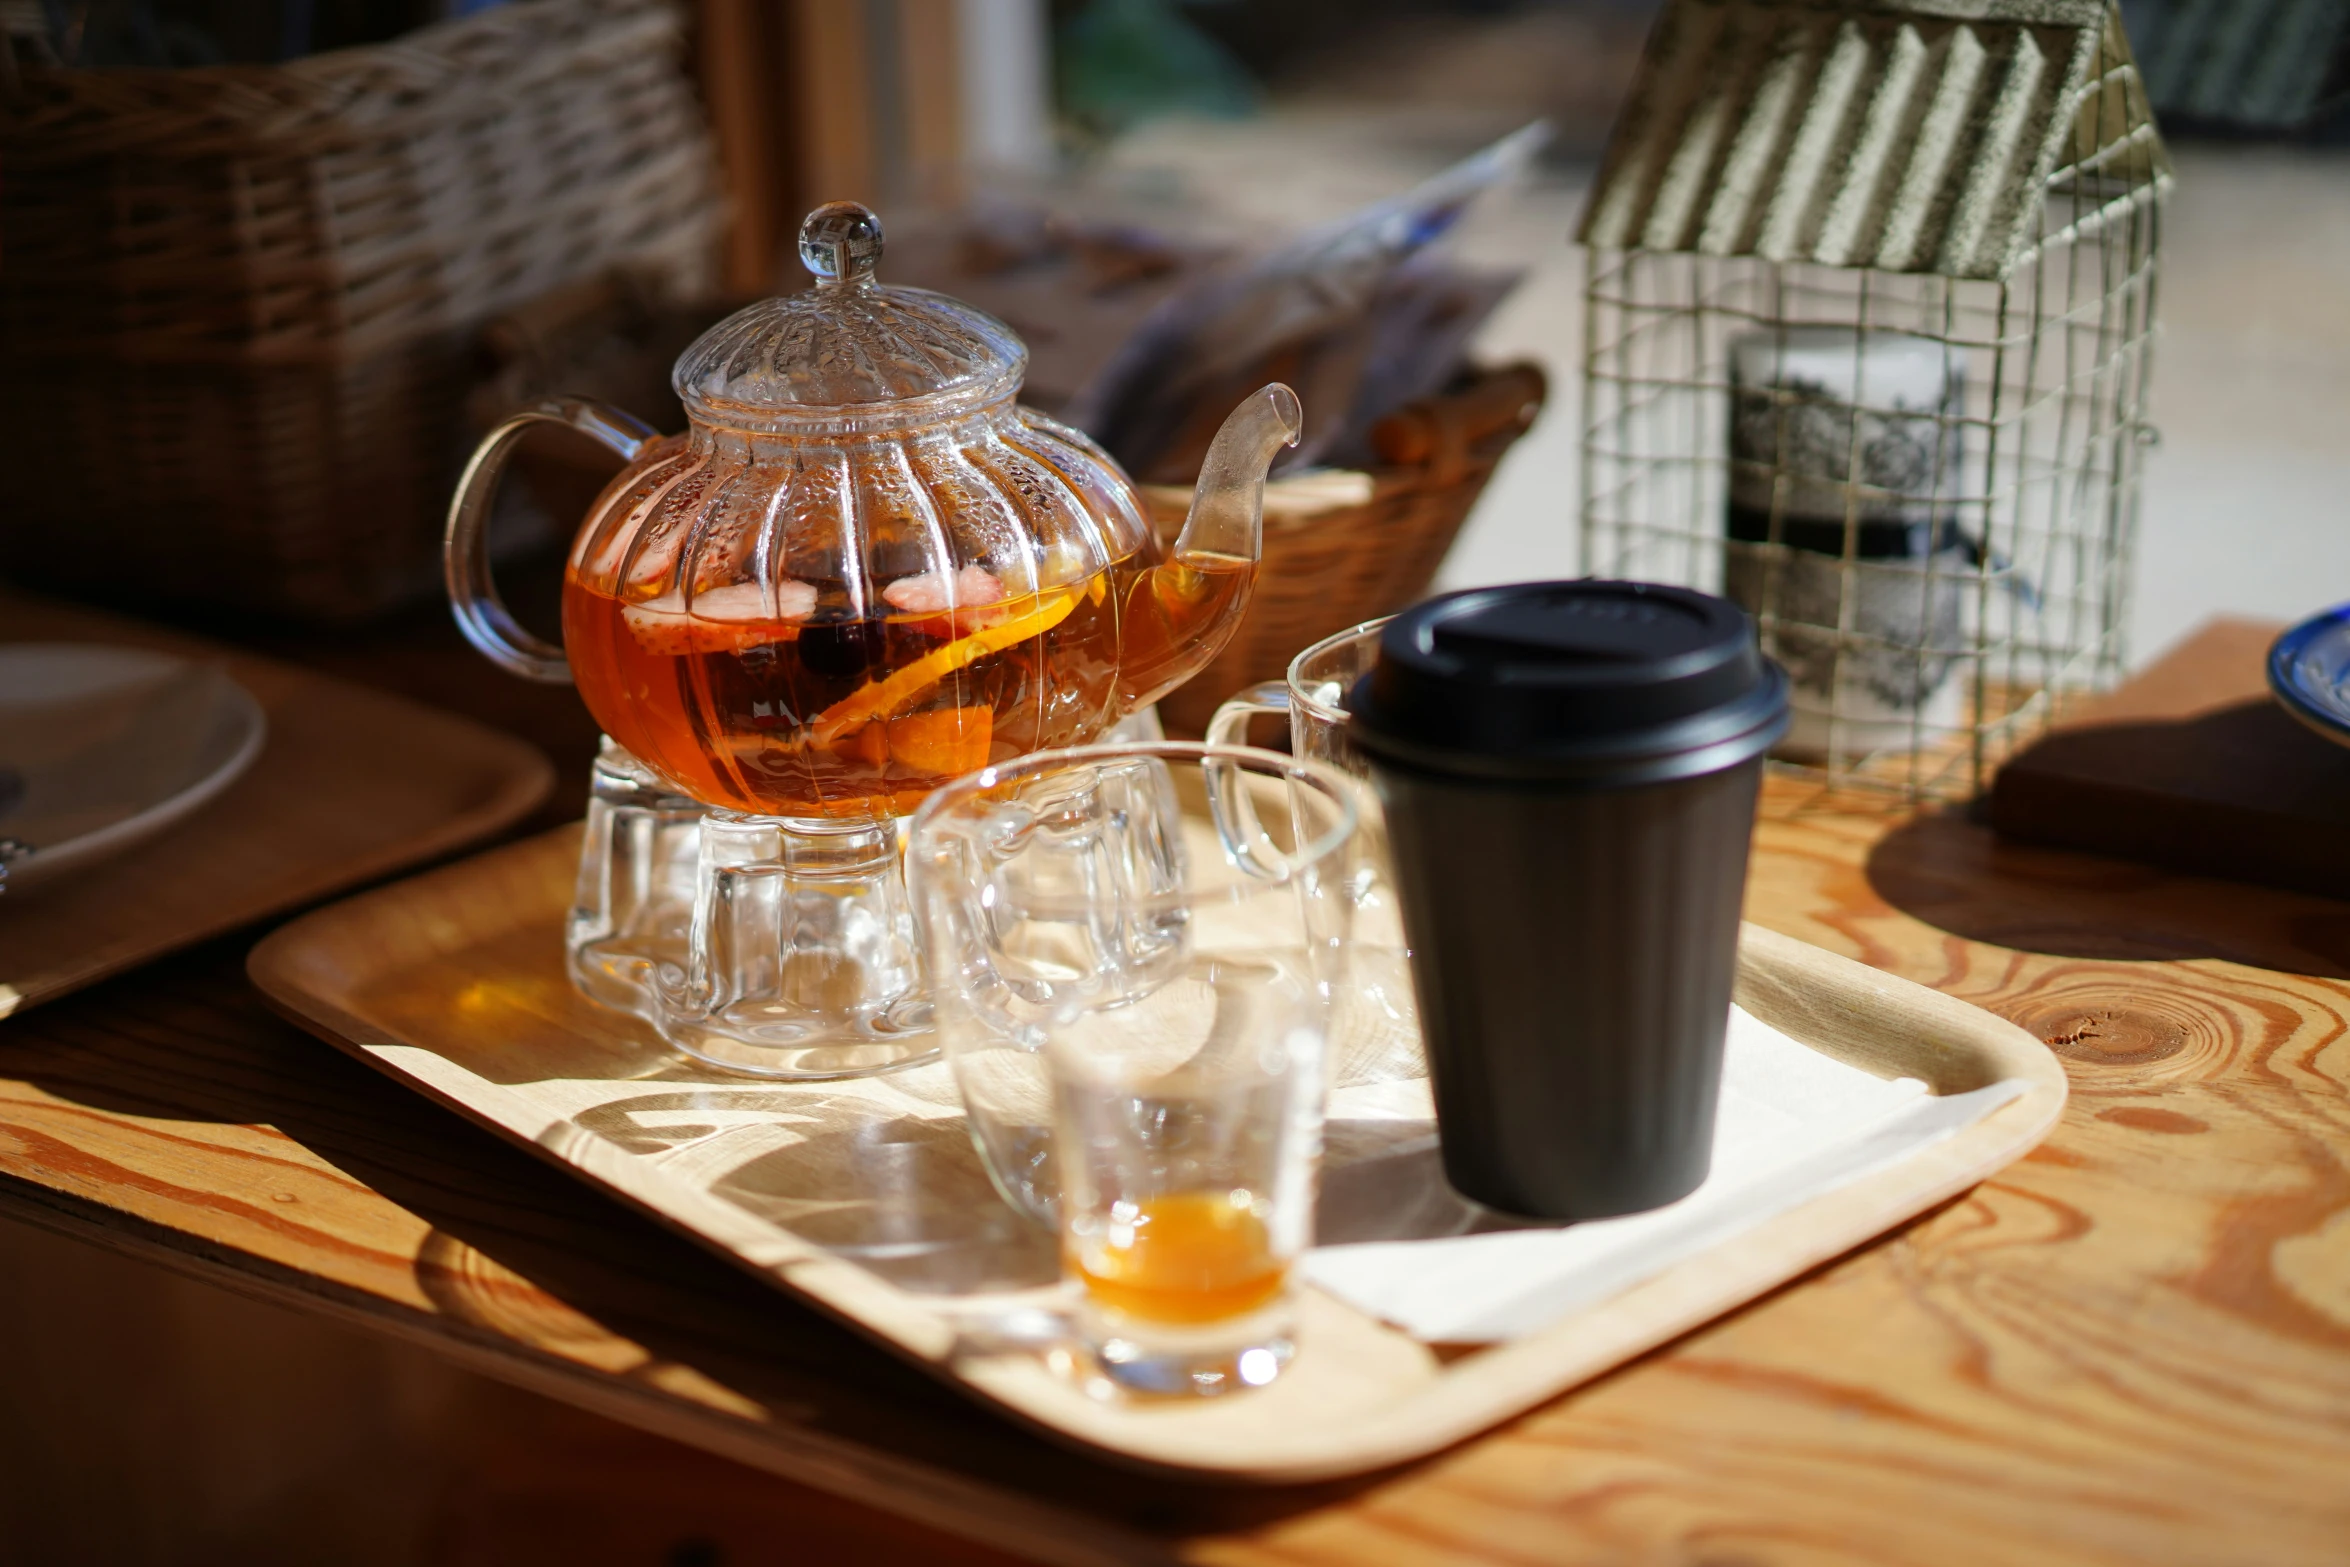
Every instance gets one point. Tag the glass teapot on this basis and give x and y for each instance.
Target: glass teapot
(864, 569)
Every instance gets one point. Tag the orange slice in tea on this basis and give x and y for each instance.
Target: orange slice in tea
(945, 742)
(880, 698)
(731, 619)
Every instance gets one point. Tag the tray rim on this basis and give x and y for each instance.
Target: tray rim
(1782, 980)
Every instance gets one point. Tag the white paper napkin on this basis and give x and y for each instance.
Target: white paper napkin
(1794, 1124)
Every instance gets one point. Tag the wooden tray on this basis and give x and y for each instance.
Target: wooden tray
(351, 785)
(866, 1198)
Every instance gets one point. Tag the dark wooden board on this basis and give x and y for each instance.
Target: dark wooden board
(2191, 766)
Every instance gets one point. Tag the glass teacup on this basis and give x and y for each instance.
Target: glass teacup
(1378, 1035)
(1312, 697)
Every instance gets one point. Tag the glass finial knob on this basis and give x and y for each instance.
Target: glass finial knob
(841, 242)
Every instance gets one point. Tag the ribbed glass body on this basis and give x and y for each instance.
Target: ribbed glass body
(864, 569)
(833, 625)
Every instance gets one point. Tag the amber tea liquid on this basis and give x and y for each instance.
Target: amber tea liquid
(826, 713)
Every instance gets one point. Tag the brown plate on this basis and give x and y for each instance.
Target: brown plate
(350, 785)
(866, 1199)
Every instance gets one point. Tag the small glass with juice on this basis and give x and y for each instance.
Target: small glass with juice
(1187, 1198)
(1138, 1017)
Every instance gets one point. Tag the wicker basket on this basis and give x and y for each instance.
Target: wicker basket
(238, 303)
(1337, 554)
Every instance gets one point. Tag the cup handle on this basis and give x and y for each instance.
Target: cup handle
(465, 548)
(1228, 804)
(1230, 725)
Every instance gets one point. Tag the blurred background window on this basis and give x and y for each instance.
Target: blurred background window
(1120, 62)
(2246, 68)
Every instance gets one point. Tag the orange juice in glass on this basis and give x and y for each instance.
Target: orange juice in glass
(1184, 1258)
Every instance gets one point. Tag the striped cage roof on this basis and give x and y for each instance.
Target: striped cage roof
(1909, 137)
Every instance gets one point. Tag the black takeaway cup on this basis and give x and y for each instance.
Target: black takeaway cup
(1569, 771)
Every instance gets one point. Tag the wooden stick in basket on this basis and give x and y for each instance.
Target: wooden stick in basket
(1441, 431)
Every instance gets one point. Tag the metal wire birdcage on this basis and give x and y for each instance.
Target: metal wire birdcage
(1869, 311)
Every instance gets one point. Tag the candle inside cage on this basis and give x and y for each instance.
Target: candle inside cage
(1847, 461)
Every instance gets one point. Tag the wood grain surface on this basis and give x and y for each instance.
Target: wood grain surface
(351, 784)
(452, 983)
(2132, 1346)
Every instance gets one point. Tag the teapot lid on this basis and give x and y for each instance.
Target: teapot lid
(848, 344)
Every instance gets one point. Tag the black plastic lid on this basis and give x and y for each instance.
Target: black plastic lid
(1609, 682)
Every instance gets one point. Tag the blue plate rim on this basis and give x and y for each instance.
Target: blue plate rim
(2286, 652)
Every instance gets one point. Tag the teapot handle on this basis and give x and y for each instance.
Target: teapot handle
(465, 548)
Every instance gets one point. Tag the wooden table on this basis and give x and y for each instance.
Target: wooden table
(2132, 1347)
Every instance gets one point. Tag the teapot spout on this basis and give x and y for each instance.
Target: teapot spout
(1227, 515)
(1184, 609)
